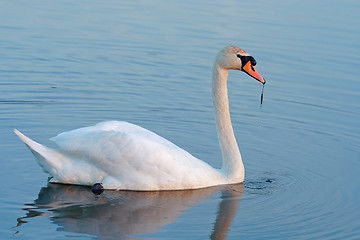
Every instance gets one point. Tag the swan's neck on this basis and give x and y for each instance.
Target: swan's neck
(233, 166)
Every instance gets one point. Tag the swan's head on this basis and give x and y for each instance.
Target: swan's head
(238, 59)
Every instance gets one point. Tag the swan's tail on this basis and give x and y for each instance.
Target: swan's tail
(49, 159)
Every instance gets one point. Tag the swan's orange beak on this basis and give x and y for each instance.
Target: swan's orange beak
(250, 69)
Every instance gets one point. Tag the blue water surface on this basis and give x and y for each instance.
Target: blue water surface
(68, 64)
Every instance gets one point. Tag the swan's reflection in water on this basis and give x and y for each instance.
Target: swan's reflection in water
(122, 214)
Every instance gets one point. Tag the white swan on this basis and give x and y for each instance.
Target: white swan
(121, 155)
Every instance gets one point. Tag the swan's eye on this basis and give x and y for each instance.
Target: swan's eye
(238, 55)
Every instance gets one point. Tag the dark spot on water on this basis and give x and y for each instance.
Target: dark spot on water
(269, 180)
(97, 189)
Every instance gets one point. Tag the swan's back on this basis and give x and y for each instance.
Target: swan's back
(87, 139)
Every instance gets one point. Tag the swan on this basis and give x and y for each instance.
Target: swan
(124, 156)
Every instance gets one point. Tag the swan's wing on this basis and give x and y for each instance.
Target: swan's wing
(133, 157)
(79, 139)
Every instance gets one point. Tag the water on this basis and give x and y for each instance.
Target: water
(68, 64)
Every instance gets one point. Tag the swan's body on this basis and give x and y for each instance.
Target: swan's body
(121, 155)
